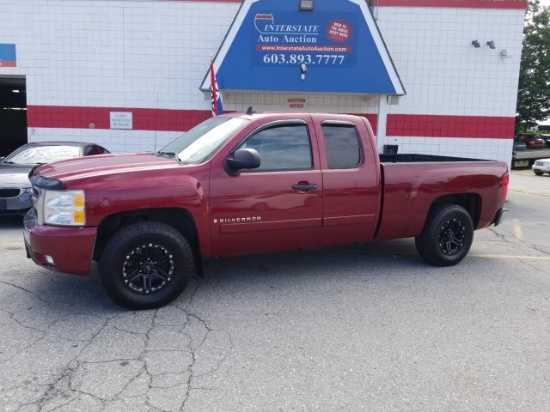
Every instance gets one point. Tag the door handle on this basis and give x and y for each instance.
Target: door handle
(304, 186)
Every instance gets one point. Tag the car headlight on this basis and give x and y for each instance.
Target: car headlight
(64, 207)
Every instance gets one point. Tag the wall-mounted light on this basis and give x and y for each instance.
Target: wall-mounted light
(303, 70)
(305, 5)
(475, 43)
(491, 44)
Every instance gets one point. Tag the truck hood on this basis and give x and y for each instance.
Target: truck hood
(102, 165)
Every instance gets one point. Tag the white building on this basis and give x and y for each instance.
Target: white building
(433, 76)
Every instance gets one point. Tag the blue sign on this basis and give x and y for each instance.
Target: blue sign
(7, 55)
(294, 39)
(336, 48)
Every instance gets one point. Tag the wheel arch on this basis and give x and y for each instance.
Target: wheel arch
(469, 201)
(179, 219)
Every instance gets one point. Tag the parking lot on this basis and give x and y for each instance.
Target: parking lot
(359, 328)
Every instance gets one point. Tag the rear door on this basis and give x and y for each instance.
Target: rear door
(275, 207)
(351, 183)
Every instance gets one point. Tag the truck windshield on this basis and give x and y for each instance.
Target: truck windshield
(199, 143)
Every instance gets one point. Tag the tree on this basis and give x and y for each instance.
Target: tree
(534, 78)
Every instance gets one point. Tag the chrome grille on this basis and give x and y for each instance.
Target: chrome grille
(9, 192)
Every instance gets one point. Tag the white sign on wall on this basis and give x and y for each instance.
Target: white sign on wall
(121, 120)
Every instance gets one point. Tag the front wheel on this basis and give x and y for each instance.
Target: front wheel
(447, 236)
(538, 172)
(146, 265)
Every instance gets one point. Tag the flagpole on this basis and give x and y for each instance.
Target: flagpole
(217, 107)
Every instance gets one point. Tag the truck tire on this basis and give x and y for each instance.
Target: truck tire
(146, 265)
(539, 172)
(447, 236)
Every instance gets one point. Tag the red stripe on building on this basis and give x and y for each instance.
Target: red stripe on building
(100, 118)
(451, 126)
(420, 125)
(468, 4)
(198, 1)
(182, 120)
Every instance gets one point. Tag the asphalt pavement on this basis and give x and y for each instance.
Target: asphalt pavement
(356, 328)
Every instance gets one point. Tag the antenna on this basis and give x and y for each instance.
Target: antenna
(250, 110)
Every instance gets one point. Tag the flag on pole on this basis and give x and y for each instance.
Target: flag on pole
(217, 106)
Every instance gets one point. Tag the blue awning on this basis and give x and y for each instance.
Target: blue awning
(335, 48)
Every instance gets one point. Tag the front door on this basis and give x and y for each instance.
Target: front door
(274, 207)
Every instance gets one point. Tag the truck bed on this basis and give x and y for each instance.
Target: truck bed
(413, 182)
(415, 157)
(525, 158)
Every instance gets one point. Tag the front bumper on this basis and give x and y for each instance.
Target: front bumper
(16, 205)
(62, 249)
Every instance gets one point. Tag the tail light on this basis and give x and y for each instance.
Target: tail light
(504, 187)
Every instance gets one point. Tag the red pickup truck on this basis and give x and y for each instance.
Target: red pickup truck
(251, 183)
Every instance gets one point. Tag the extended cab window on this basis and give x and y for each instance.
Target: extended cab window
(342, 145)
(282, 147)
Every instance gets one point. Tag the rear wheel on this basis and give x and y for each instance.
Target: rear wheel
(146, 265)
(447, 236)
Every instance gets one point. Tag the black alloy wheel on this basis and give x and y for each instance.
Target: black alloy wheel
(447, 236)
(146, 265)
(148, 268)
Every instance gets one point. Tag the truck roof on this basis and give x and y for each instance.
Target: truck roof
(251, 115)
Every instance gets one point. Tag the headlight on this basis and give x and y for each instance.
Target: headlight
(64, 207)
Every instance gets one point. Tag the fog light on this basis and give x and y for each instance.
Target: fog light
(49, 260)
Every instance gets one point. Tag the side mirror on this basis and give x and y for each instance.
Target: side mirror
(242, 159)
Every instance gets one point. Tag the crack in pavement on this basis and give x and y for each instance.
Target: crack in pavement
(515, 241)
(65, 357)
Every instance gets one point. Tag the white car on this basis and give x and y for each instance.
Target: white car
(15, 187)
(541, 166)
